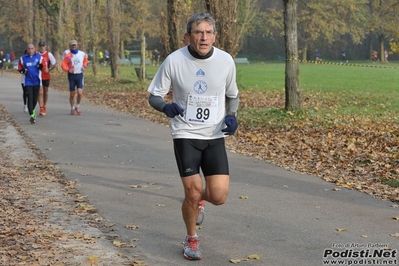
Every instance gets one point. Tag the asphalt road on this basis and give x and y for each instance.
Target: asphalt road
(287, 219)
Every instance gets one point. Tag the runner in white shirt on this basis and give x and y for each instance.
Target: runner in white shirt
(205, 101)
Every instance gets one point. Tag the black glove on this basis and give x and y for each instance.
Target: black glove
(22, 71)
(231, 124)
(172, 110)
(40, 66)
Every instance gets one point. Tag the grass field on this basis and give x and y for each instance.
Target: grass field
(353, 83)
(362, 89)
(359, 90)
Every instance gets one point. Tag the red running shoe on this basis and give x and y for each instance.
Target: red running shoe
(191, 248)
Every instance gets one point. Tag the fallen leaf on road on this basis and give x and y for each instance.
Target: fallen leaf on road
(119, 243)
(138, 186)
(132, 227)
(139, 262)
(253, 257)
(248, 257)
(244, 197)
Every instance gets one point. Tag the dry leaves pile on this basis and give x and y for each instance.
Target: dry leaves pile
(44, 220)
(353, 152)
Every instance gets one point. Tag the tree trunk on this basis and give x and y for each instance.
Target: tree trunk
(93, 35)
(142, 53)
(122, 49)
(30, 17)
(382, 48)
(114, 35)
(79, 24)
(292, 91)
(173, 25)
(165, 33)
(305, 53)
(35, 22)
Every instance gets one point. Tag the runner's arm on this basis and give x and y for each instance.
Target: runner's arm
(157, 102)
(232, 106)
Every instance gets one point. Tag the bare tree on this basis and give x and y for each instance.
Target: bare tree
(292, 90)
(114, 35)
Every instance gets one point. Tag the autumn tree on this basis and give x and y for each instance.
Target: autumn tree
(233, 20)
(382, 22)
(51, 30)
(14, 27)
(174, 24)
(322, 22)
(292, 90)
(143, 21)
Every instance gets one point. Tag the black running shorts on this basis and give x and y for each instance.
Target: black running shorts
(46, 83)
(193, 154)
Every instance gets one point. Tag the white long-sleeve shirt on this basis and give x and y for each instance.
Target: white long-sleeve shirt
(199, 87)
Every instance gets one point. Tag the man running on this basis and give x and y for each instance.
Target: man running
(31, 65)
(49, 61)
(75, 63)
(203, 111)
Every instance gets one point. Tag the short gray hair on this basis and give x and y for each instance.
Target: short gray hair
(198, 18)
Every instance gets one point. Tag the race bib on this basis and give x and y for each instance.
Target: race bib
(201, 109)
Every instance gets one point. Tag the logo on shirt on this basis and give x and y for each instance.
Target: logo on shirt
(200, 87)
(200, 73)
(32, 63)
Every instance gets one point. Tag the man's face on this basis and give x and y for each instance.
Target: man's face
(202, 37)
(73, 47)
(31, 49)
(42, 48)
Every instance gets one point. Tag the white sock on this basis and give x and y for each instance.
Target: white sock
(191, 236)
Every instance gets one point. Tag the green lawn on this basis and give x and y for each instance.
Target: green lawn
(327, 78)
(362, 89)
